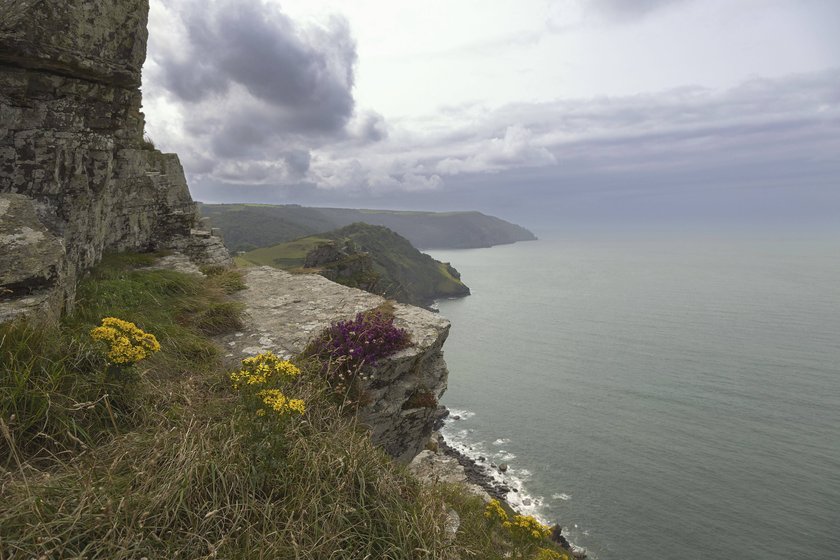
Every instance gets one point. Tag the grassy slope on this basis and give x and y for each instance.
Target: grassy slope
(165, 468)
(285, 255)
(248, 226)
(406, 274)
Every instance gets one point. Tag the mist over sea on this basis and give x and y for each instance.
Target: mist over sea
(676, 398)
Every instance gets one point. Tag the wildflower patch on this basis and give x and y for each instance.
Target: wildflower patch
(346, 347)
(127, 344)
(260, 383)
(524, 530)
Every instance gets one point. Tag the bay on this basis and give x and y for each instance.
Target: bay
(676, 397)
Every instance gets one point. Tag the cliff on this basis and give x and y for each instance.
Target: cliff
(77, 178)
(284, 311)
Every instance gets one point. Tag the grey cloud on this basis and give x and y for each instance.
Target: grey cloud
(369, 126)
(306, 73)
(257, 92)
(628, 9)
(297, 162)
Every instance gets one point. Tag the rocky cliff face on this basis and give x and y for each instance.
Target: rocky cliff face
(72, 151)
(285, 311)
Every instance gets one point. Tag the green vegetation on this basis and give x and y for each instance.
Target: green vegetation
(165, 466)
(288, 255)
(249, 226)
(378, 260)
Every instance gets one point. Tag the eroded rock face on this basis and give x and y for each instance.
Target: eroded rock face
(31, 260)
(285, 311)
(71, 131)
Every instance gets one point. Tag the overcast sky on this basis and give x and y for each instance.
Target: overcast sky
(575, 111)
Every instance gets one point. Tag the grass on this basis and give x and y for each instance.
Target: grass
(169, 468)
(284, 255)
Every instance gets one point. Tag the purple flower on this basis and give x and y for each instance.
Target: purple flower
(358, 342)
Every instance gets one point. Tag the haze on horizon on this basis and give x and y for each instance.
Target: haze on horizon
(600, 113)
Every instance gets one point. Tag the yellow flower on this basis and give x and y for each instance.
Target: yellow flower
(526, 527)
(548, 554)
(494, 511)
(279, 403)
(127, 343)
(262, 369)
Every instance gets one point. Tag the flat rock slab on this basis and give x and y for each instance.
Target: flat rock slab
(283, 312)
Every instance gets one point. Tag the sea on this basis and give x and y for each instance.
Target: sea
(672, 397)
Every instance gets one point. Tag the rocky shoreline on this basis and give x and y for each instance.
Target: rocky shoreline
(441, 462)
(475, 473)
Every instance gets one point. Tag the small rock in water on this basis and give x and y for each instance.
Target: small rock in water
(481, 458)
(456, 417)
(526, 502)
(503, 467)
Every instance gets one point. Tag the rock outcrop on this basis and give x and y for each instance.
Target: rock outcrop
(345, 264)
(71, 142)
(285, 311)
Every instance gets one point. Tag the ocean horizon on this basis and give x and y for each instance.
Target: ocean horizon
(676, 396)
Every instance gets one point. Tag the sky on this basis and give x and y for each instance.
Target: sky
(590, 113)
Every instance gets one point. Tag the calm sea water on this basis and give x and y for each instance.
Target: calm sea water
(666, 399)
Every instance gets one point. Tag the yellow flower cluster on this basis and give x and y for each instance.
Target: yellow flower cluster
(494, 512)
(279, 403)
(263, 368)
(526, 527)
(548, 554)
(128, 344)
(259, 380)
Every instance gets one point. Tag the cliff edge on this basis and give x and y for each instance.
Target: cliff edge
(283, 312)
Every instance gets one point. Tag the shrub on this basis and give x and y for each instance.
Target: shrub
(494, 512)
(260, 383)
(549, 554)
(126, 343)
(525, 528)
(347, 346)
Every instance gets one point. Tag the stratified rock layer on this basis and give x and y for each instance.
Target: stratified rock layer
(285, 311)
(71, 133)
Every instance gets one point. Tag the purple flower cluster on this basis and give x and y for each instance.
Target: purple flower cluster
(346, 346)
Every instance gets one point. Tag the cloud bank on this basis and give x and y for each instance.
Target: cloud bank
(261, 107)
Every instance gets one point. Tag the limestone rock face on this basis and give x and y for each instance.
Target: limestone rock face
(285, 311)
(29, 254)
(31, 259)
(71, 131)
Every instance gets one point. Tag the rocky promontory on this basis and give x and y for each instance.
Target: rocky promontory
(283, 312)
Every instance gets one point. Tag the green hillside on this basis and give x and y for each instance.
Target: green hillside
(248, 226)
(368, 257)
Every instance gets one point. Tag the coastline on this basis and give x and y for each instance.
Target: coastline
(489, 478)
